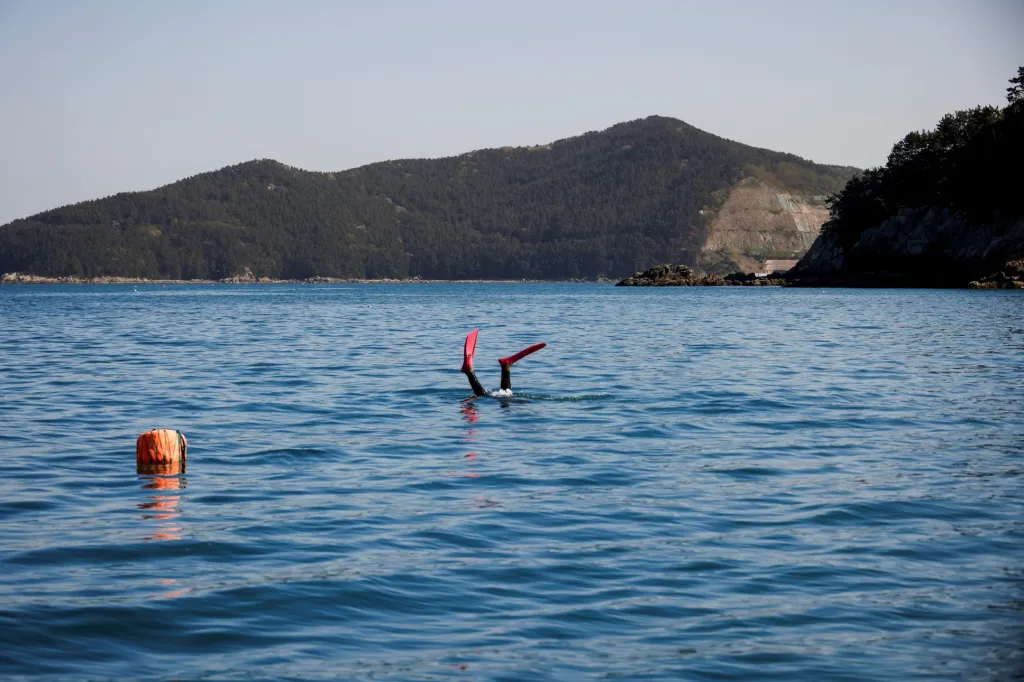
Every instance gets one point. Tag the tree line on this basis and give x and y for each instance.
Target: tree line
(969, 163)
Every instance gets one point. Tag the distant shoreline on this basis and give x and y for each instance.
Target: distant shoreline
(18, 278)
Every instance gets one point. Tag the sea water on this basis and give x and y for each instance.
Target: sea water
(693, 483)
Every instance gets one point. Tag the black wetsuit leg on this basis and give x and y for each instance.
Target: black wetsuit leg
(478, 388)
(506, 377)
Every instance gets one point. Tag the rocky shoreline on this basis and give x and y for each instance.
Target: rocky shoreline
(682, 276)
(21, 278)
(1010, 276)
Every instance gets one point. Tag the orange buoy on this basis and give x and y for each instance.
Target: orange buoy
(161, 451)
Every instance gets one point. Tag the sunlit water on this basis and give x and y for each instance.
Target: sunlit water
(686, 484)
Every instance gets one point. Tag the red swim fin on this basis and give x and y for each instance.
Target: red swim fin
(520, 355)
(469, 351)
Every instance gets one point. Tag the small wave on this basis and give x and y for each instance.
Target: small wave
(296, 455)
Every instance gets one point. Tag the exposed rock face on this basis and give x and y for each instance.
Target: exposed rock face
(758, 222)
(928, 247)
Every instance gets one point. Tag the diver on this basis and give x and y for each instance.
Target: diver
(506, 364)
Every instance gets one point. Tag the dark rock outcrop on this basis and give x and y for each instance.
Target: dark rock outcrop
(661, 276)
(682, 276)
(926, 247)
(1010, 277)
(749, 279)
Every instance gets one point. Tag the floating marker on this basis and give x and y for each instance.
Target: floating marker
(161, 451)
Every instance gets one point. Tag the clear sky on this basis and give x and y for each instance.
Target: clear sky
(98, 97)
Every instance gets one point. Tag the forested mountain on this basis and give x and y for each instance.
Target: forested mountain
(947, 207)
(601, 204)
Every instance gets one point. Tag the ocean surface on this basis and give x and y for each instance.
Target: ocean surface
(687, 484)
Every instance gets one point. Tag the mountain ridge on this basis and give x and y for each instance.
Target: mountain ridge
(602, 203)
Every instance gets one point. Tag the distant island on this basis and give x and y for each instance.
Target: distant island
(594, 207)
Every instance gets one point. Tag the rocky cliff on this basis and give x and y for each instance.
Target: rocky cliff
(926, 247)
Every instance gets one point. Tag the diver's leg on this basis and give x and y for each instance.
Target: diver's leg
(477, 387)
(506, 364)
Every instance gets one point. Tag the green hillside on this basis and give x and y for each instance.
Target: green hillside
(604, 203)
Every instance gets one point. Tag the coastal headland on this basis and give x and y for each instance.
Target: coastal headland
(945, 211)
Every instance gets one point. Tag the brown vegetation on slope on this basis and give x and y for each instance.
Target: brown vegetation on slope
(757, 222)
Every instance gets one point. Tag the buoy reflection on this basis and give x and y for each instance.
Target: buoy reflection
(163, 508)
(175, 593)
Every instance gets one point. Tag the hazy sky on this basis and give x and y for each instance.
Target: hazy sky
(100, 97)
